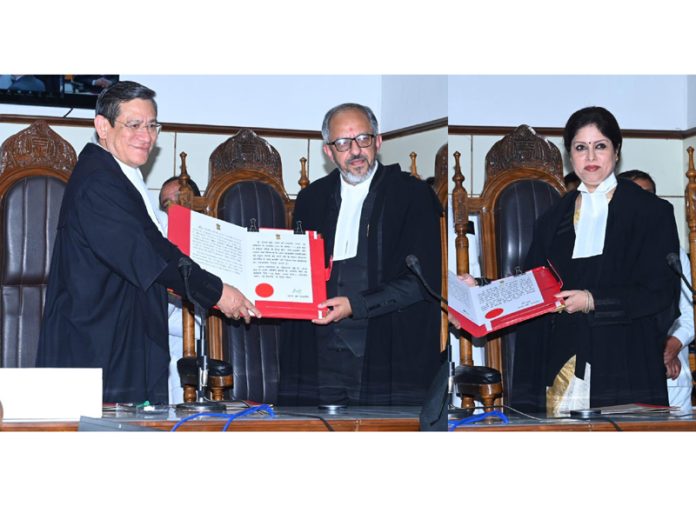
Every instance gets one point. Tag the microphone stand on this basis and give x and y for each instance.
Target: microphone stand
(201, 403)
(413, 264)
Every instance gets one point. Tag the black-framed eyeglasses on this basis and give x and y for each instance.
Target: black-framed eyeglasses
(344, 143)
(134, 126)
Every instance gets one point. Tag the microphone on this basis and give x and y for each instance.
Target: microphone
(184, 266)
(675, 264)
(413, 264)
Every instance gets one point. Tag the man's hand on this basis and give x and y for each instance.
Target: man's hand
(339, 308)
(671, 357)
(234, 304)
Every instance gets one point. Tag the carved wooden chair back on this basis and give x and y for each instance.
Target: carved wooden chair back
(245, 187)
(524, 177)
(35, 165)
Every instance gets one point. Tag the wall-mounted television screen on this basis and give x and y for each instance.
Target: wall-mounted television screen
(70, 90)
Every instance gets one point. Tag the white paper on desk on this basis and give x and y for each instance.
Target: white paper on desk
(498, 298)
(270, 257)
(51, 393)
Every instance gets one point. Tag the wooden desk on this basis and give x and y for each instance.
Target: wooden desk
(287, 419)
(350, 419)
(643, 422)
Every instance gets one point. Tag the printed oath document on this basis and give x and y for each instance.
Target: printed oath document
(503, 302)
(281, 271)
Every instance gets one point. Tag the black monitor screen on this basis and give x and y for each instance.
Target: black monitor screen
(70, 90)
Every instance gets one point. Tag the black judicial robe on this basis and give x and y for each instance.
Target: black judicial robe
(106, 301)
(402, 351)
(636, 300)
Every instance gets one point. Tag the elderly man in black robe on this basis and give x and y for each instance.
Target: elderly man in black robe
(106, 302)
(379, 343)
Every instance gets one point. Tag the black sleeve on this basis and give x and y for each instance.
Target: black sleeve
(420, 235)
(393, 296)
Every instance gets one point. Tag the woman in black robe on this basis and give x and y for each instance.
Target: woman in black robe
(608, 240)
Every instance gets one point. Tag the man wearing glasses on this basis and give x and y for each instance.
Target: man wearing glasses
(379, 343)
(106, 301)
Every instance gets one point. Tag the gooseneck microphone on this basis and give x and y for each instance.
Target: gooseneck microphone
(413, 264)
(184, 266)
(440, 396)
(675, 264)
(201, 404)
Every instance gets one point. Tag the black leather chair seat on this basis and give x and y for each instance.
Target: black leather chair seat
(188, 369)
(480, 375)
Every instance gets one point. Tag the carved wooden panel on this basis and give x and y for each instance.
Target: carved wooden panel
(523, 148)
(245, 150)
(37, 146)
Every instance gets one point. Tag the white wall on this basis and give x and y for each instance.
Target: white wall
(411, 100)
(165, 160)
(638, 102)
(691, 101)
(286, 102)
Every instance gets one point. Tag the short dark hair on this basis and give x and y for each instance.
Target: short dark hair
(191, 182)
(599, 116)
(343, 107)
(571, 177)
(638, 174)
(110, 99)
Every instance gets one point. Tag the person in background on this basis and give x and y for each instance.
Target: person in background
(608, 241)
(169, 194)
(16, 82)
(106, 301)
(571, 181)
(681, 333)
(93, 83)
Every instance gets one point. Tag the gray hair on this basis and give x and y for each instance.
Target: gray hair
(343, 107)
(110, 99)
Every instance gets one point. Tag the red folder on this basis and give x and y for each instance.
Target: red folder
(495, 319)
(260, 292)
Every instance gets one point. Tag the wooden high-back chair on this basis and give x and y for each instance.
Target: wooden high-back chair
(524, 177)
(690, 200)
(440, 187)
(35, 165)
(245, 187)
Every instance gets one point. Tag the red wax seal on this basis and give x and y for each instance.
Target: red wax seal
(264, 290)
(494, 312)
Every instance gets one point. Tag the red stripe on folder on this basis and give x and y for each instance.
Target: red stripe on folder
(179, 230)
(316, 260)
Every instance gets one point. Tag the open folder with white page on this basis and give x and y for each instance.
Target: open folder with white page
(503, 302)
(280, 271)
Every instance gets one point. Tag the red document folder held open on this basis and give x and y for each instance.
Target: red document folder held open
(504, 302)
(280, 271)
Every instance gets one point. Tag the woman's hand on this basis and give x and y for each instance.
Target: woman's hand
(470, 281)
(576, 301)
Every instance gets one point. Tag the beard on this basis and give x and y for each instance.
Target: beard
(355, 179)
